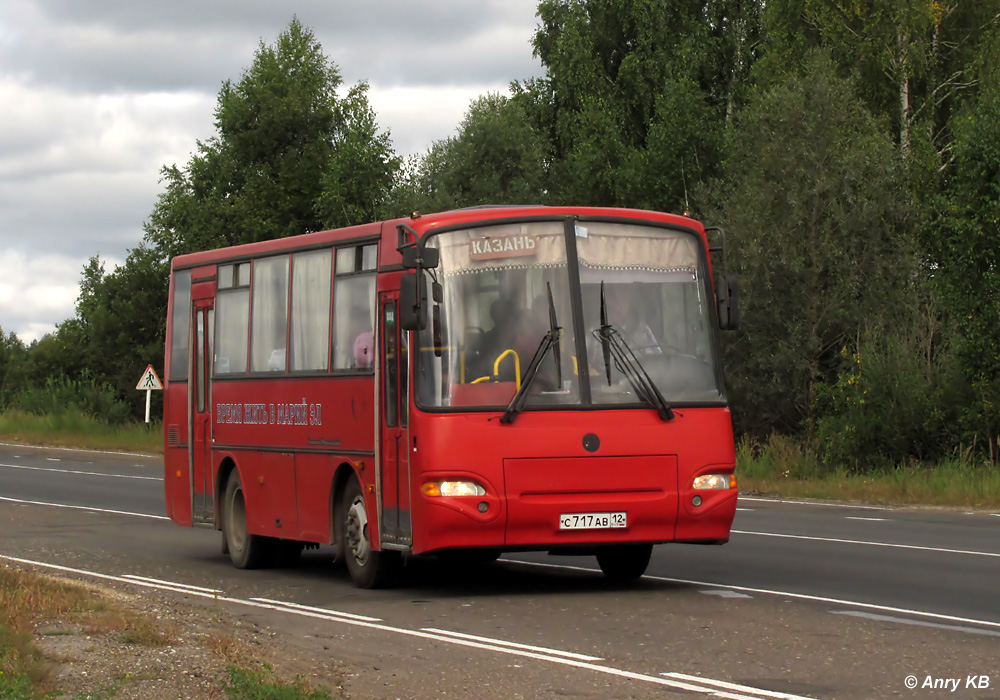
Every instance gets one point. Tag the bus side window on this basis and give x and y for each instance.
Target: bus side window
(232, 319)
(354, 308)
(310, 323)
(181, 325)
(269, 315)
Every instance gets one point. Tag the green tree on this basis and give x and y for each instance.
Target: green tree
(912, 60)
(13, 366)
(125, 311)
(362, 169)
(289, 157)
(636, 94)
(497, 157)
(821, 227)
(964, 249)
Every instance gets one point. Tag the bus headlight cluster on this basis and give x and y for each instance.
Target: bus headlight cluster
(452, 488)
(709, 482)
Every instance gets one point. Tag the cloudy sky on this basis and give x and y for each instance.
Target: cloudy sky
(98, 95)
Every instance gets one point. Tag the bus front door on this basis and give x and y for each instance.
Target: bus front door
(202, 491)
(394, 470)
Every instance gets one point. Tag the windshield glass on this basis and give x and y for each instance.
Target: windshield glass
(656, 298)
(494, 312)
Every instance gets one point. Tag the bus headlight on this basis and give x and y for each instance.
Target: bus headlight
(452, 488)
(708, 482)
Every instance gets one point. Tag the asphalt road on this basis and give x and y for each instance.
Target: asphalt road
(807, 600)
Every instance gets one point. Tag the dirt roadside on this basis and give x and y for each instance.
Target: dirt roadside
(177, 649)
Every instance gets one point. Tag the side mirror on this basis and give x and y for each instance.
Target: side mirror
(727, 299)
(415, 259)
(412, 302)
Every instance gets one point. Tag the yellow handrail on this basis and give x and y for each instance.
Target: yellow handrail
(517, 366)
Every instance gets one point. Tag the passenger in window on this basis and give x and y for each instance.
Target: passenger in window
(363, 355)
(625, 313)
(504, 315)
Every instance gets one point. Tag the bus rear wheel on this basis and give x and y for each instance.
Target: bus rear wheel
(245, 550)
(368, 568)
(624, 562)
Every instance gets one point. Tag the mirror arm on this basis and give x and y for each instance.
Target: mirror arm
(402, 230)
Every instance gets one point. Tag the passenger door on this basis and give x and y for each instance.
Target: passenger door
(395, 527)
(202, 491)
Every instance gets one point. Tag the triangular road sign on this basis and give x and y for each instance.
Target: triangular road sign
(149, 379)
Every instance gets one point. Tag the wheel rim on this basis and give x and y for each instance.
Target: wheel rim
(357, 531)
(237, 530)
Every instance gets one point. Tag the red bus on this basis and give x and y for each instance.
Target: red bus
(468, 383)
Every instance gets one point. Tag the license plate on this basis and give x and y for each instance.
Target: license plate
(592, 521)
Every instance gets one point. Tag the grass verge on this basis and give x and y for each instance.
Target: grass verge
(72, 428)
(782, 467)
(26, 598)
(259, 684)
(34, 606)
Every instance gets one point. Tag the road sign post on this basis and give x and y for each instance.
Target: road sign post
(150, 382)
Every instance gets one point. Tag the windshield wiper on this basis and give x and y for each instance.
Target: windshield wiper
(550, 341)
(605, 335)
(614, 344)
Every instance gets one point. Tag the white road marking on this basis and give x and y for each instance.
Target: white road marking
(75, 471)
(78, 449)
(784, 594)
(921, 623)
(513, 645)
(94, 510)
(444, 638)
(327, 611)
(813, 503)
(873, 520)
(52, 459)
(745, 509)
(199, 589)
(870, 544)
(752, 692)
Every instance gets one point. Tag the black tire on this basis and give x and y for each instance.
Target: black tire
(624, 562)
(367, 567)
(245, 550)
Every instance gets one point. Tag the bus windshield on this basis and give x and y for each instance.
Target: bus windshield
(495, 310)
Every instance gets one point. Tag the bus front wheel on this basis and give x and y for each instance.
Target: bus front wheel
(245, 550)
(368, 568)
(624, 562)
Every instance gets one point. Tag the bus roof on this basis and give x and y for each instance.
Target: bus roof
(421, 224)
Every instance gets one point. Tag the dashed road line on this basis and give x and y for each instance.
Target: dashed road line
(87, 508)
(323, 611)
(77, 471)
(838, 540)
(813, 503)
(513, 645)
(750, 691)
(920, 623)
(780, 594)
(79, 449)
(709, 687)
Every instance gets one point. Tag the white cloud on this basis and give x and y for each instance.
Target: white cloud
(37, 290)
